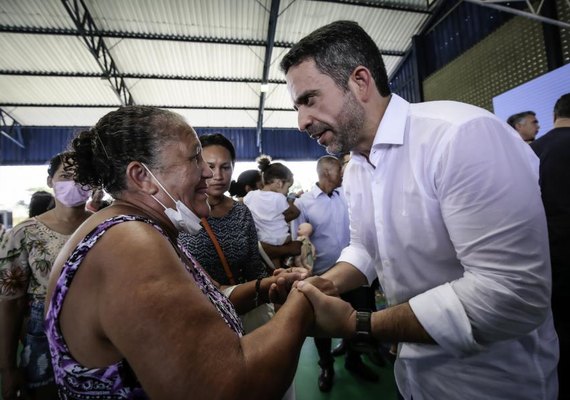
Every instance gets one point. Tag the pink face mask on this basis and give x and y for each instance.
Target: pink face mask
(70, 194)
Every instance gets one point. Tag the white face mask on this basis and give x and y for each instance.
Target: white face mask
(182, 218)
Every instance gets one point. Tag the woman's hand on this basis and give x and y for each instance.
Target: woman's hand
(284, 279)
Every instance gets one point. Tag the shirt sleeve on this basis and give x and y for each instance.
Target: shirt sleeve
(486, 181)
(356, 253)
(14, 265)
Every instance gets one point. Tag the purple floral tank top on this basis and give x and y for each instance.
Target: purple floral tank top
(116, 381)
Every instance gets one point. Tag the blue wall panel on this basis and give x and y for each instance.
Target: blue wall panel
(243, 139)
(42, 143)
(464, 27)
(404, 82)
(290, 144)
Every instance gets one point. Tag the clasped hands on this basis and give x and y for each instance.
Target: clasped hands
(333, 316)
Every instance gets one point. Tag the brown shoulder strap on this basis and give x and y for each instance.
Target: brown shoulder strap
(212, 235)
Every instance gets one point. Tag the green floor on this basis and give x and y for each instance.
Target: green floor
(346, 386)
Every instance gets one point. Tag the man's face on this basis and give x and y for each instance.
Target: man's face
(330, 115)
(335, 174)
(528, 128)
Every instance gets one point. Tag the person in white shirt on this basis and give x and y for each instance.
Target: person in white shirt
(445, 209)
(269, 206)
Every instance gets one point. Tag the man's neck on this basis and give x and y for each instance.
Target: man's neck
(326, 187)
(377, 109)
(562, 123)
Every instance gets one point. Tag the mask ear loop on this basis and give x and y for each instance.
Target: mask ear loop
(165, 191)
(159, 184)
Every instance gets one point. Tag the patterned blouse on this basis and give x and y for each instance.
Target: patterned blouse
(115, 381)
(237, 236)
(27, 253)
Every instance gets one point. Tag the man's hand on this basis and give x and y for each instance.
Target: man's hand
(324, 285)
(333, 317)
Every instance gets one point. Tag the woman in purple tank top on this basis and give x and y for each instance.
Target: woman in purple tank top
(129, 313)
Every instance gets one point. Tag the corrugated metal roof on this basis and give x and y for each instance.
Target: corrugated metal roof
(203, 58)
(45, 53)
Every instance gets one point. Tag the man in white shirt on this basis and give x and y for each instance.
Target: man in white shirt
(445, 209)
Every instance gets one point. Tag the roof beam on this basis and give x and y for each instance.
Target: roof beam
(131, 35)
(383, 5)
(273, 15)
(55, 105)
(157, 36)
(61, 74)
(89, 33)
(9, 126)
(531, 15)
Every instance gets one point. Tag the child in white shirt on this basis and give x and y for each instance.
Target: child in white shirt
(269, 206)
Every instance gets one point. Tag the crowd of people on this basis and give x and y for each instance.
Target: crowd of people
(163, 292)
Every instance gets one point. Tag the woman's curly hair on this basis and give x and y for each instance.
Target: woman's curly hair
(99, 156)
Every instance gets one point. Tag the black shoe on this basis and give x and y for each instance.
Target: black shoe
(340, 349)
(358, 368)
(326, 378)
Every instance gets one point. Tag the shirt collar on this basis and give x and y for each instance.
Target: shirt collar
(391, 128)
(317, 191)
(393, 123)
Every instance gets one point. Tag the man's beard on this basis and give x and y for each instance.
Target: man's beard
(346, 135)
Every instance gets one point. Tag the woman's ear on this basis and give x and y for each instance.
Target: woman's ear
(140, 178)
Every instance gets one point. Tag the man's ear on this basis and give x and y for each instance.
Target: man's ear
(361, 83)
(49, 182)
(139, 178)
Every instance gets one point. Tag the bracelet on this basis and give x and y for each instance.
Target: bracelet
(257, 287)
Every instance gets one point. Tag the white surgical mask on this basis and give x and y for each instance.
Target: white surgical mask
(182, 218)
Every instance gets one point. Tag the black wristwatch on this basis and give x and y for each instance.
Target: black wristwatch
(363, 341)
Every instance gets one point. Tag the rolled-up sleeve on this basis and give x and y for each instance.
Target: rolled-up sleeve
(487, 184)
(357, 255)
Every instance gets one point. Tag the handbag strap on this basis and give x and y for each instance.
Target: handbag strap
(219, 250)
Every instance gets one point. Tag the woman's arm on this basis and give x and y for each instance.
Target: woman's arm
(150, 309)
(11, 319)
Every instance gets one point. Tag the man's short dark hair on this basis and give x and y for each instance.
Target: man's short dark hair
(338, 48)
(518, 118)
(562, 107)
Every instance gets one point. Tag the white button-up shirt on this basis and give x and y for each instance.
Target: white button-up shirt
(329, 217)
(447, 213)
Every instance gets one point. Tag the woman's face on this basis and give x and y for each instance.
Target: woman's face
(59, 175)
(219, 160)
(183, 171)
